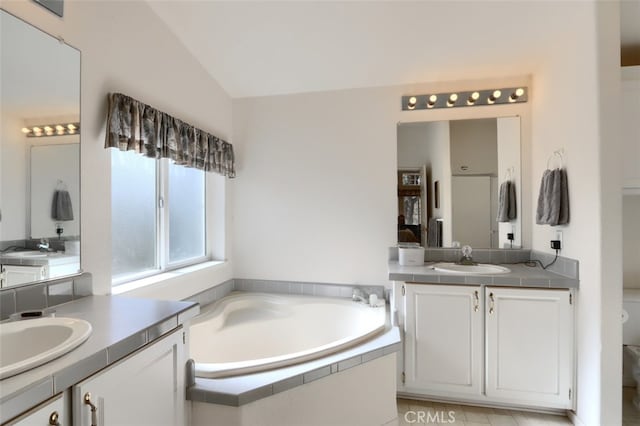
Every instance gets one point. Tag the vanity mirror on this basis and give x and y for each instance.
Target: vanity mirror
(449, 178)
(39, 154)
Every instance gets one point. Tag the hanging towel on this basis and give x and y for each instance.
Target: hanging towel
(61, 208)
(553, 199)
(513, 212)
(507, 202)
(503, 202)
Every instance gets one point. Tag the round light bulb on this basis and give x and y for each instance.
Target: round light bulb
(26, 130)
(453, 97)
(48, 129)
(70, 126)
(433, 98)
(37, 129)
(475, 96)
(519, 92)
(59, 127)
(497, 94)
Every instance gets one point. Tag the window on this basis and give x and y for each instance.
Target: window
(158, 217)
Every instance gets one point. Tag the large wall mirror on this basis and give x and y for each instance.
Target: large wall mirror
(459, 183)
(39, 154)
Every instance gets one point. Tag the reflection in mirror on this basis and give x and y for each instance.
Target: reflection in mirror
(39, 155)
(450, 174)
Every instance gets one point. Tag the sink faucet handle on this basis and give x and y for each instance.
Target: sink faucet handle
(466, 251)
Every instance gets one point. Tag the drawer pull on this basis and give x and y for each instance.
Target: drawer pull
(94, 409)
(476, 301)
(491, 304)
(53, 419)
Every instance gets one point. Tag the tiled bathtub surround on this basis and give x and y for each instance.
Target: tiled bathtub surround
(43, 295)
(282, 287)
(563, 265)
(240, 390)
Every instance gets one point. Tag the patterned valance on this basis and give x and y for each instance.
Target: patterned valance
(132, 125)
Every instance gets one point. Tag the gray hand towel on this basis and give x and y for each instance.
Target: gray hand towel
(513, 212)
(563, 215)
(543, 210)
(61, 208)
(504, 202)
(553, 199)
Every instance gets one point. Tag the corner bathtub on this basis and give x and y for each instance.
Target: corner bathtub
(250, 332)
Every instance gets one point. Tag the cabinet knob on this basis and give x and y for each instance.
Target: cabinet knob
(53, 419)
(94, 409)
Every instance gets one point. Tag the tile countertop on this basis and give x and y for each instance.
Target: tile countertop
(520, 276)
(120, 325)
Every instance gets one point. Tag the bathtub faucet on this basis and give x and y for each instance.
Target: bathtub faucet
(358, 296)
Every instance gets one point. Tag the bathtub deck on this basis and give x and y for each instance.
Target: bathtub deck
(240, 390)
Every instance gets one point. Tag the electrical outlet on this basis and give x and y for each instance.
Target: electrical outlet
(510, 236)
(556, 244)
(559, 238)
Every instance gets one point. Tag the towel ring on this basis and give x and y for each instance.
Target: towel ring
(61, 186)
(556, 154)
(509, 173)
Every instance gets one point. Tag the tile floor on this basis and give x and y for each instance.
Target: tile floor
(452, 414)
(630, 414)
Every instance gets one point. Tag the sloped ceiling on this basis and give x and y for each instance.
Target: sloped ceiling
(269, 48)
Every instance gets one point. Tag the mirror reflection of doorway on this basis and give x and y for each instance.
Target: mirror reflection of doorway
(411, 205)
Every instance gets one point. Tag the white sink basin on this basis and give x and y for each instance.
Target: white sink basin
(480, 268)
(29, 343)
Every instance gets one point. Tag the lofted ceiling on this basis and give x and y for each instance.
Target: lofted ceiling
(268, 48)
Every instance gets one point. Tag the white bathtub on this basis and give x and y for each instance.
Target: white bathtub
(249, 332)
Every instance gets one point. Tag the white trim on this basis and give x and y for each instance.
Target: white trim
(575, 419)
(164, 276)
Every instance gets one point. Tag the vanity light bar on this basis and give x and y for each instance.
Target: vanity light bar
(57, 129)
(507, 95)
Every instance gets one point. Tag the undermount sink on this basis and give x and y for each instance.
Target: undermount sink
(29, 343)
(480, 268)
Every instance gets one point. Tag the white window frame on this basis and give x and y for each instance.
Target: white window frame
(163, 231)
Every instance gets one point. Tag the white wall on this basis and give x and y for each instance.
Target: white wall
(631, 240)
(13, 180)
(509, 158)
(630, 125)
(574, 107)
(126, 48)
(329, 159)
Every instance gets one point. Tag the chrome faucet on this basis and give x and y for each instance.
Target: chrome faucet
(466, 258)
(358, 296)
(44, 244)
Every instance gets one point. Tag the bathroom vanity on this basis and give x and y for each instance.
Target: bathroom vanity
(129, 371)
(503, 340)
(21, 267)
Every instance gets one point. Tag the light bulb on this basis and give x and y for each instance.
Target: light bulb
(26, 130)
(515, 95)
(60, 128)
(473, 98)
(37, 130)
(412, 102)
(70, 126)
(48, 129)
(452, 99)
(432, 101)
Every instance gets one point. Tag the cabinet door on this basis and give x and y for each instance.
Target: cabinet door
(146, 388)
(52, 412)
(14, 274)
(529, 346)
(443, 339)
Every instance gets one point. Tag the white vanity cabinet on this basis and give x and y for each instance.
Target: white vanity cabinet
(145, 388)
(496, 345)
(11, 275)
(529, 338)
(54, 412)
(443, 339)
